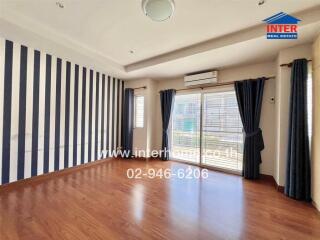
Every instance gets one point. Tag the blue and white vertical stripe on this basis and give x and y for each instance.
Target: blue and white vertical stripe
(54, 114)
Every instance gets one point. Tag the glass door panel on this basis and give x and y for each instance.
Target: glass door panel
(222, 137)
(185, 128)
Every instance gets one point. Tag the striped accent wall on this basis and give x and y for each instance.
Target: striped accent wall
(54, 114)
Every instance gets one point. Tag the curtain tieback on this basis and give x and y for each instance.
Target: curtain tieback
(253, 134)
(258, 138)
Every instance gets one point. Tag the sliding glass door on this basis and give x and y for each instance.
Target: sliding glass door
(206, 129)
(185, 128)
(222, 137)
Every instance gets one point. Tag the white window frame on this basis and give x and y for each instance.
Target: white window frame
(135, 111)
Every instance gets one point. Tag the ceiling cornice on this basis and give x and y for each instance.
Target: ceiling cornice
(307, 16)
(12, 19)
(8, 19)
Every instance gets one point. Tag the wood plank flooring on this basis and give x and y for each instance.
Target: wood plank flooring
(100, 202)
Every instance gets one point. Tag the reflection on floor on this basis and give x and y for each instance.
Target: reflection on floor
(101, 202)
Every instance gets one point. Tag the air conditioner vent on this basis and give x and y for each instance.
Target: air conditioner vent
(201, 78)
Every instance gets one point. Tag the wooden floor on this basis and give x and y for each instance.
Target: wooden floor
(100, 202)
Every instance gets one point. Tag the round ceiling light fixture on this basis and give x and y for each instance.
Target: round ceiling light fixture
(158, 10)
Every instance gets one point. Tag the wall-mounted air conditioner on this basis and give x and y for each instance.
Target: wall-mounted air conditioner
(201, 78)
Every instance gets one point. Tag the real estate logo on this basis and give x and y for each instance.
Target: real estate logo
(282, 26)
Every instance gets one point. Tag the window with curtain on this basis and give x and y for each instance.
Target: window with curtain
(222, 137)
(138, 111)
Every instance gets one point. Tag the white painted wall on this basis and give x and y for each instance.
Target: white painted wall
(63, 48)
(315, 156)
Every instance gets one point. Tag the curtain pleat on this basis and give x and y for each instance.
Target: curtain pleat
(167, 101)
(249, 97)
(298, 176)
(127, 124)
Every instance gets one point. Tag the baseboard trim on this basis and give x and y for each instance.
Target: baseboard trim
(45, 176)
(271, 178)
(316, 205)
(280, 188)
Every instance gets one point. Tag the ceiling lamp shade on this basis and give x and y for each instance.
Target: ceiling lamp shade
(158, 10)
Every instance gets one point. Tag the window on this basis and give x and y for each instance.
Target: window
(217, 141)
(138, 111)
(222, 137)
(309, 103)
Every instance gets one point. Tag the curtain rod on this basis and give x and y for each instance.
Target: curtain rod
(144, 87)
(217, 85)
(290, 64)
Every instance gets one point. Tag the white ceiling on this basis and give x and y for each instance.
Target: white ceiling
(111, 28)
(256, 50)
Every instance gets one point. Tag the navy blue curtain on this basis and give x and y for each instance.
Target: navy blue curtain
(167, 100)
(127, 124)
(249, 96)
(298, 178)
